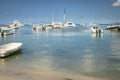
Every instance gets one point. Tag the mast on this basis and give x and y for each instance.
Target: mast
(53, 17)
(64, 16)
(92, 19)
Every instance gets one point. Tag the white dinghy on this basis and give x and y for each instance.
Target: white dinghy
(9, 49)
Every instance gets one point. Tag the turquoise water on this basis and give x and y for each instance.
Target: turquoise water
(70, 50)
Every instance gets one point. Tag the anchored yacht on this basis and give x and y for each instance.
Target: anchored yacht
(96, 30)
(69, 24)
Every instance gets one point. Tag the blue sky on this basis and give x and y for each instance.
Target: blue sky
(79, 11)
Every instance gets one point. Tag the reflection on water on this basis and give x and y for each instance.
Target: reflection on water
(70, 50)
(17, 55)
(97, 35)
(42, 61)
(115, 52)
(87, 63)
(5, 37)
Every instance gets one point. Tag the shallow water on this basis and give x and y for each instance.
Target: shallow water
(71, 50)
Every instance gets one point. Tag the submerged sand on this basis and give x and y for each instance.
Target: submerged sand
(49, 77)
(43, 75)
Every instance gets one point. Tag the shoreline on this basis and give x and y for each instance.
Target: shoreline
(49, 77)
(44, 75)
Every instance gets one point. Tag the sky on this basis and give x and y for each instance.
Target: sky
(43, 11)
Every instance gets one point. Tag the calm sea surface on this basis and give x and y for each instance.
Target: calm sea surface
(70, 50)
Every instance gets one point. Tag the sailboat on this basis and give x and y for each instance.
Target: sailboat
(68, 23)
(92, 24)
(56, 25)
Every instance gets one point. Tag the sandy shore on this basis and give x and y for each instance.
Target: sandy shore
(13, 72)
(54, 77)
(44, 75)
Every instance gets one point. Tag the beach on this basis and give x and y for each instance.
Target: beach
(43, 75)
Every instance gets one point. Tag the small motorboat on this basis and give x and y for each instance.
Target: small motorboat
(96, 30)
(9, 49)
(6, 31)
(113, 27)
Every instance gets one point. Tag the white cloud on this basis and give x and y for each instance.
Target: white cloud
(116, 4)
